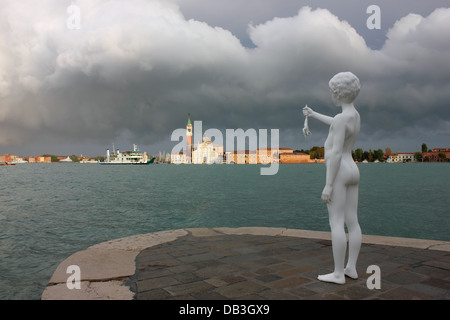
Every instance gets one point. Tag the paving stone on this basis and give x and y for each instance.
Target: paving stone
(273, 294)
(187, 277)
(216, 282)
(207, 256)
(429, 289)
(232, 278)
(296, 270)
(268, 278)
(156, 294)
(264, 270)
(401, 293)
(240, 289)
(438, 264)
(301, 292)
(268, 261)
(153, 273)
(208, 295)
(188, 288)
(437, 283)
(432, 272)
(290, 282)
(355, 292)
(182, 268)
(405, 277)
(215, 271)
(155, 283)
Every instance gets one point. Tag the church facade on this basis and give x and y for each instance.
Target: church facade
(207, 153)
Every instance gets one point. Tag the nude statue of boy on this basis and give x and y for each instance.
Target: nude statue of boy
(342, 176)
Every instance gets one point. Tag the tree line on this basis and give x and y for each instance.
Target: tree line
(361, 155)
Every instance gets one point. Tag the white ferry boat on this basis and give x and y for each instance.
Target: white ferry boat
(127, 157)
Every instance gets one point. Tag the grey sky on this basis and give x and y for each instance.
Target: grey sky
(236, 15)
(136, 68)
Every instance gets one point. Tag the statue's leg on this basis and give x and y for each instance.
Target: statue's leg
(336, 211)
(354, 230)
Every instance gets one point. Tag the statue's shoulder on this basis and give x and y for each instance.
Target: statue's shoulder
(340, 119)
(345, 117)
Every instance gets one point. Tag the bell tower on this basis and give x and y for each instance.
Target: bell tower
(189, 138)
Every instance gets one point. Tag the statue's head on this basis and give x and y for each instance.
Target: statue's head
(344, 87)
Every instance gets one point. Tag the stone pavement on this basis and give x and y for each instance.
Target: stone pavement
(252, 264)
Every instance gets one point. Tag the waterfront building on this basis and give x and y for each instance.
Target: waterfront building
(88, 160)
(401, 157)
(267, 155)
(241, 157)
(251, 157)
(229, 157)
(39, 159)
(178, 158)
(437, 155)
(295, 157)
(258, 156)
(8, 158)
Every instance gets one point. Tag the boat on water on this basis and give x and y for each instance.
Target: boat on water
(18, 161)
(66, 160)
(134, 157)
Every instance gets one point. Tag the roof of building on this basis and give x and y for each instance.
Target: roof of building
(294, 154)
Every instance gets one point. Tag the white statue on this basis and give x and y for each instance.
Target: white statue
(342, 176)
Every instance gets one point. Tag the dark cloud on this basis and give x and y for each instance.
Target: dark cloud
(136, 68)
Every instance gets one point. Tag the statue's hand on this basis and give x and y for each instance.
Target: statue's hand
(307, 111)
(326, 194)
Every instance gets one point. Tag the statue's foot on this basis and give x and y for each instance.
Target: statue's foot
(331, 277)
(351, 273)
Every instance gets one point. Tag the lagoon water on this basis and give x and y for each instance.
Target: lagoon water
(50, 211)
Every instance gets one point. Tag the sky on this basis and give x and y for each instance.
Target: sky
(77, 76)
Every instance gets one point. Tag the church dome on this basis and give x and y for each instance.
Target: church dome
(206, 139)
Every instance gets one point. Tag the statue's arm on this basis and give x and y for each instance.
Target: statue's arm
(307, 111)
(334, 156)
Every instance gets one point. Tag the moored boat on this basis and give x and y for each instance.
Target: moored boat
(134, 157)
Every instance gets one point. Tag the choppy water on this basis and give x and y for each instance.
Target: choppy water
(49, 211)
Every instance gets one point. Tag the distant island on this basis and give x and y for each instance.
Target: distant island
(284, 155)
(49, 158)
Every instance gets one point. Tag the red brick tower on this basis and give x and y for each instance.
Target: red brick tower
(189, 139)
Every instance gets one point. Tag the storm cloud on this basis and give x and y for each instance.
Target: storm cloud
(136, 68)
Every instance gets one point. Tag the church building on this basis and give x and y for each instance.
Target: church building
(202, 153)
